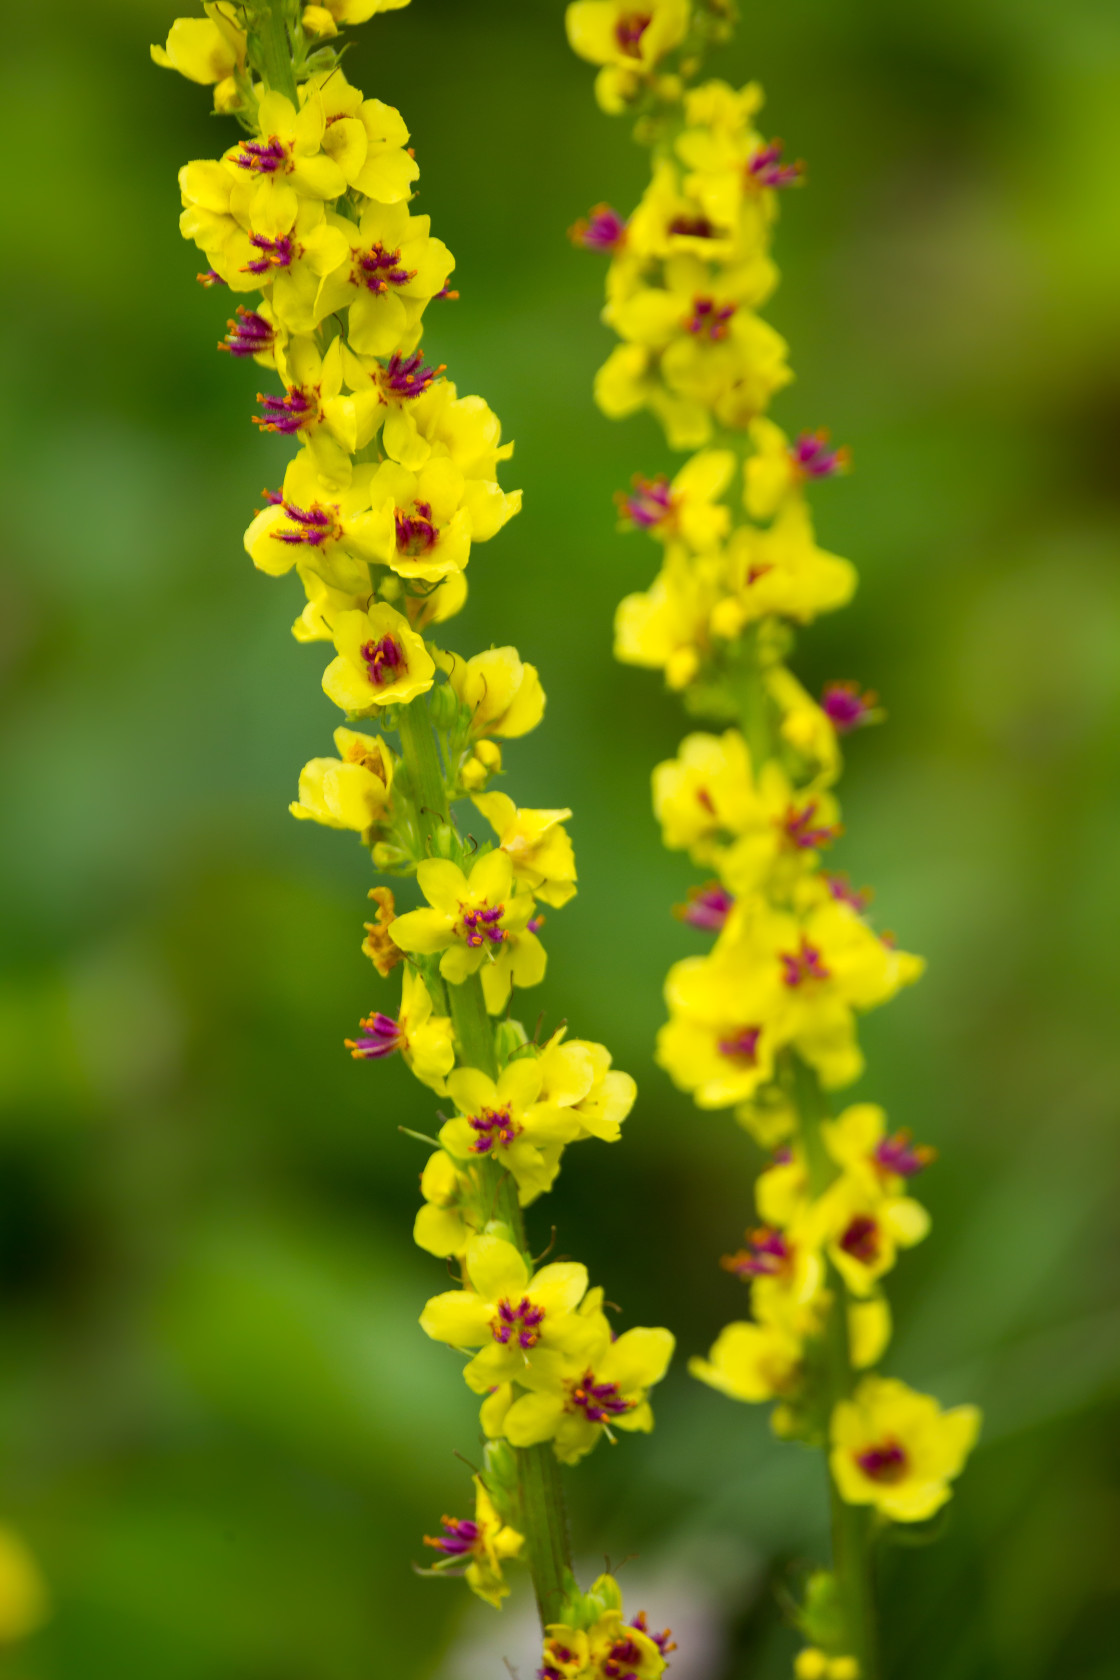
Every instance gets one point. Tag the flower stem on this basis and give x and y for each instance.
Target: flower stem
(746, 679)
(271, 39)
(545, 1526)
(851, 1524)
(418, 748)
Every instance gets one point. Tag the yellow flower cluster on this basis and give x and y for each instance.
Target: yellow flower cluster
(393, 482)
(766, 1021)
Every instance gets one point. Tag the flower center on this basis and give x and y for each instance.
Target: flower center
(275, 253)
(380, 1036)
(406, 376)
(766, 168)
(767, 1254)
(648, 503)
(462, 1536)
(845, 707)
(803, 964)
(741, 1045)
(801, 831)
(603, 229)
(314, 526)
(898, 1155)
(377, 269)
(248, 334)
(520, 1322)
(482, 923)
(844, 893)
(289, 413)
(264, 157)
(663, 1640)
(496, 1129)
(710, 319)
(812, 457)
(383, 660)
(623, 1659)
(884, 1462)
(861, 1239)
(692, 227)
(708, 907)
(415, 532)
(628, 32)
(598, 1401)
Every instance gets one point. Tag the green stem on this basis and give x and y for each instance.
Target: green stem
(747, 680)
(275, 49)
(418, 748)
(545, 1526)
(851, 1524)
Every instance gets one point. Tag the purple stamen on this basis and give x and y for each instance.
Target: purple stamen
(482, 924)
(844, 893)
(603, 229)
(898, 1155)
(210, 278)
(599, 1400)
(314, 525)
(415, 532)
(886, 1462)
(813, 458)
(406, 376)
(461, 1538)
(800, 831)
(708, 907)
(286, 414)
(693, 227)
(649, 503)
(710, 320)
(767, 1254)
(846, 708)
(628, 32)
(496, 1129)
(861, 1239)
(262, 158)
(766, 168)
(803, 964)
(663, 1640)
(381, 1035)
(523, 1321)
(275, 253)
(742, 1046)
(377, 269)
(383, 660)
(248, 334)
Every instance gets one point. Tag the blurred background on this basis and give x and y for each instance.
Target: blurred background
(221, 1431)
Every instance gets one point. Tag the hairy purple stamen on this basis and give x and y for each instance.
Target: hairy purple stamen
(377, 269)
(603, 229)
(710, 320)
(846, 707)
(262, 158)
(861, 1239)
(628, 32)
(248, 334)
(708, 907)
(522, 1321)
(886, 1462)
(496, 1129)
(767, 1254)
(813, 458)
(898, 1155)
(742, 1046)
(599, 1400)
(380, 1036)
(803, 964)
(648, 503)
(286, 414)
(275, 253)
(461, 1537)
(313, 525)
(800, 831)
(406, 376)
(766, 168)
(416, 533)
(483, 924)
(383, 660)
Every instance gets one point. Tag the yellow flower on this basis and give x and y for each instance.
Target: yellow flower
(804, 725)
(578, 1076)
(451, 1214)
(351, 791)
(504, 695)
(778, 471)
(869, 1331)
(487, 1542)
(285, 161)
(365, 137)
(425, 1041)
(814, 1664)
(475, 920)
(313, 408)
(717, 1042)
(858, 1142)
(205, 49)
(692, 303)
(689, 508)
(505, 1122)
(666, 627)
(752, 1362)
(594, 1386)
(624, 33)
(786, 1276)
(705, 792)
(895, 1449)
(329, 528)
(864, 1231)
(24, 1604)
(381, 660)
(781, 571)
(387, 277)
(511, 1316)
(606, 1648)
(425, 530)
(537, 844)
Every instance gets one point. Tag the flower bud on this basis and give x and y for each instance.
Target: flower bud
(443, 704)
(388, 858)
(509, 1036)
(445, 842)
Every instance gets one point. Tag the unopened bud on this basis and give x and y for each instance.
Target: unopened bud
(509, 1036)
(443, 704)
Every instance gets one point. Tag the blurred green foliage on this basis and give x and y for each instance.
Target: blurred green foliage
(220, 1428)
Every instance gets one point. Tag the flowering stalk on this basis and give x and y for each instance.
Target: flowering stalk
(765, 1024)
(394, 481)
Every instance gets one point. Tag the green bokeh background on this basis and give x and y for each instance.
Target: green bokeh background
(220, 1428)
